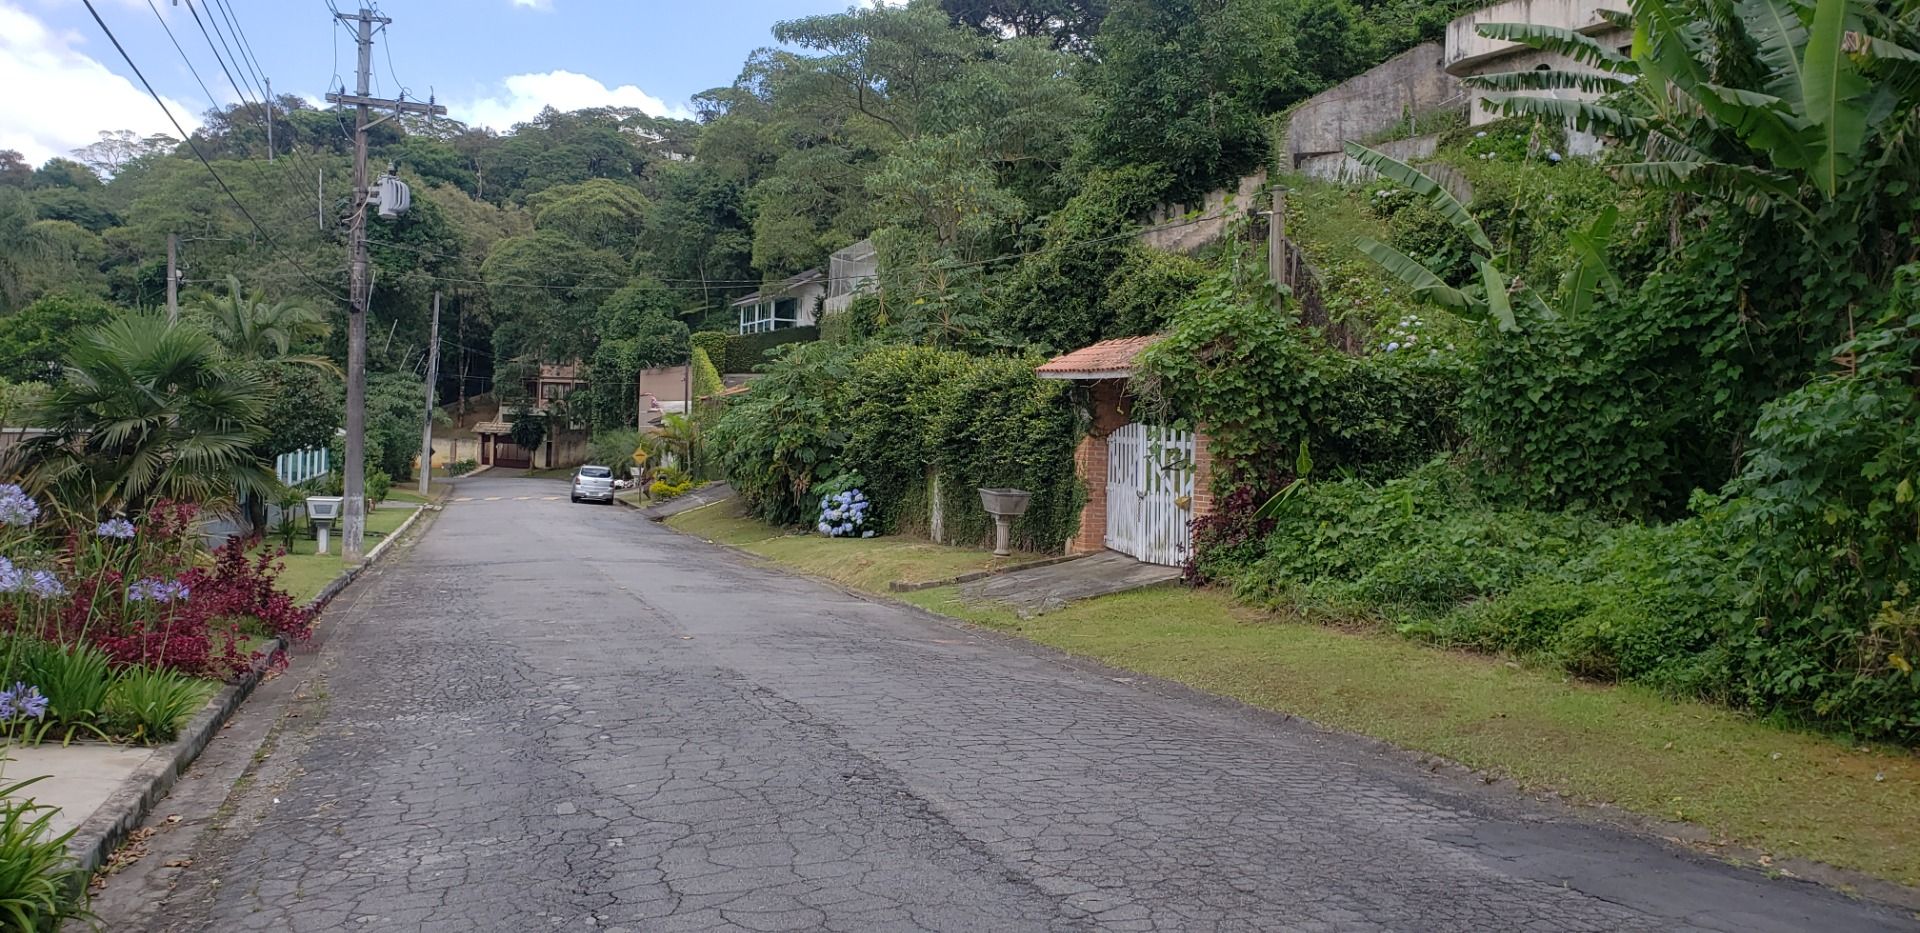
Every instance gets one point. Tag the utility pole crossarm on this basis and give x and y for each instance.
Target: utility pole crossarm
(382, 103)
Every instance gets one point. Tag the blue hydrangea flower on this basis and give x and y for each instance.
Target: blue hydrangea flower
(45, 585)
(16, 507)
(118, 528)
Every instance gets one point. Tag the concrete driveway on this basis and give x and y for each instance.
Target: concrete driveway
(547, 716)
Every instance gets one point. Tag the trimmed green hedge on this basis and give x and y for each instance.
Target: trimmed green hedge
(888, 414)
(747, 353)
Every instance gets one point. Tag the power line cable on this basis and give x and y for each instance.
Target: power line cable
(211, 98)
(202, 157)
(299, 194)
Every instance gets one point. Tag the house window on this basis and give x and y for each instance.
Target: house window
(772, 314)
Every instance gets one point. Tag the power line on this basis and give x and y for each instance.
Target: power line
(188, 138)
(215, 101)
(298, 193)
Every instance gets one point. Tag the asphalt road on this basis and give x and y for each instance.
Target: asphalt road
(548, 716)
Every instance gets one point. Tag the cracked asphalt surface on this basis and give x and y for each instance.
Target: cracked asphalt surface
(555, 716)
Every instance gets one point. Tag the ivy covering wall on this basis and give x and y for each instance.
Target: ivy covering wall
(890, 414)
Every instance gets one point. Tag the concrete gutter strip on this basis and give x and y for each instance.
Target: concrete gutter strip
(95, 839)
(903, 586)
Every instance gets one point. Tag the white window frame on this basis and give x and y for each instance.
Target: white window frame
(765, 315)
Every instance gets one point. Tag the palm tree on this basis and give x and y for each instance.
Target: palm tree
(258, 331)
(148, 409)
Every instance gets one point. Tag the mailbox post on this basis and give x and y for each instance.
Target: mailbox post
(323, 511)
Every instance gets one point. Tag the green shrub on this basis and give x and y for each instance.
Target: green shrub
(1261, 385)
(747, 353)
(73, 678)
(1825, 519)
(39, 881)
(706, 378)
(670, 482)
(614, 449)
(891, 413)
(1412, 549)
(462, 467)
(713, 342)
(378, 485)
(150, 705)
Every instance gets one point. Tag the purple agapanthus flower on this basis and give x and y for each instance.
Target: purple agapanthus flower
(158, 591)
(10, 577)
(28, 703)
(118, 528)
(45, 584)
(16, 507)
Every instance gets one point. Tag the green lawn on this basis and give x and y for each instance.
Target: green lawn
(410, 491)
(866, 563)
(305, 573)
(1747, 783)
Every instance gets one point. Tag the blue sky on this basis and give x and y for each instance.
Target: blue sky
(491, 61)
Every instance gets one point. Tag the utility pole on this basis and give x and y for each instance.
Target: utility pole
(433, 380)
(173, 277)
(269, 119)
(353, 523)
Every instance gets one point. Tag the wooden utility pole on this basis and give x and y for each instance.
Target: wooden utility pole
(269, 120)
(173, 277)
(353, 524)
(433, 380)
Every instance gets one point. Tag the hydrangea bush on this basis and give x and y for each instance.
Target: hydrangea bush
(844, 515)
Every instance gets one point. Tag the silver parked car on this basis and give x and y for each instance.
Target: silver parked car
(594, 483)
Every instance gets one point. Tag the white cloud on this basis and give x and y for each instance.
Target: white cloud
(61, 98)
(523, 96)
(533, 4)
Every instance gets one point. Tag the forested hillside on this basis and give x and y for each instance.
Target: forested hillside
(954, 130)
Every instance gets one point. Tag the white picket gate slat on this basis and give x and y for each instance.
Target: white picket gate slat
(1149, 491)
(297, 467)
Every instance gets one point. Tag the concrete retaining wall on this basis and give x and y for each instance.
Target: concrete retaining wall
(1372, 103)
(1339, 168)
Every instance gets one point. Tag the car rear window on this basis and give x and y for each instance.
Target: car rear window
(596, 472)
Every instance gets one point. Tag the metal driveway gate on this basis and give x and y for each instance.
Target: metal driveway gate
(1150, 493)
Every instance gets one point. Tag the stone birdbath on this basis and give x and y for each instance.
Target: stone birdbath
(1004, 505)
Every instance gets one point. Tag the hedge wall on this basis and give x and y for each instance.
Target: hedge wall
(891, 413)
(747, 353)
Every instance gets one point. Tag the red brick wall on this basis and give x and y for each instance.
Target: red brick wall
(1202, 476)
(1110, 411)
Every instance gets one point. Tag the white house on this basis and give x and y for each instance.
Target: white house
(1470, 53)
(791, 303)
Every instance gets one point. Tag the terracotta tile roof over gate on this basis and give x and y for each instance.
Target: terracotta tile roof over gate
(1108, 359)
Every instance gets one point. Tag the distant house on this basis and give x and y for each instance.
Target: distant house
(794, 302)
(1470, 53)
(850, 271)
(550, 386)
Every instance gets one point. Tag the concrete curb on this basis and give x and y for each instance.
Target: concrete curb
(95, 839)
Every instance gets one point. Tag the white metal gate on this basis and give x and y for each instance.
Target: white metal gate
(1150, 493)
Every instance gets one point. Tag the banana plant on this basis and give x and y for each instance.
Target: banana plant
(1770, 101)
(1493, 296)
